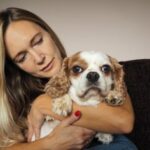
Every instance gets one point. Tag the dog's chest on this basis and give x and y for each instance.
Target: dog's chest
(47, 128)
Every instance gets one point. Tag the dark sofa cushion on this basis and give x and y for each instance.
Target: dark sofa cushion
(137, 78)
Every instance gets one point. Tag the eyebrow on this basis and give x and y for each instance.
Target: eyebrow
(23, 51)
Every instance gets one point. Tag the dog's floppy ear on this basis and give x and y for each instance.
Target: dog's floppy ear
(117, 69)
(118, 76)
(59, 84)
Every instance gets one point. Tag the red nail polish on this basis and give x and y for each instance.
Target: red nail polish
(77, 113)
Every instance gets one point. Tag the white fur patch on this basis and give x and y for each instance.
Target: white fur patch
(95, 61)
(47, 128)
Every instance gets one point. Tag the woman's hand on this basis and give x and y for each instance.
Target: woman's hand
(68, 137)
(40, 108)
(65, 136)
(104, 118)
(35, 121)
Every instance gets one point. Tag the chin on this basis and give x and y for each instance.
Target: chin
(52, 72)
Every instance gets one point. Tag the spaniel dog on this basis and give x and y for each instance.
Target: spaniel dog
(87, 78)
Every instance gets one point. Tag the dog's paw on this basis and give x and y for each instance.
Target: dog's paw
(104, 138)
(49, 118)
(114, 98)
(62, 105)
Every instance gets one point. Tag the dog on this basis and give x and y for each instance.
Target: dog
(88, 78)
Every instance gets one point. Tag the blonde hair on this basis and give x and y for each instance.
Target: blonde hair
(9, 133)
(13, 78)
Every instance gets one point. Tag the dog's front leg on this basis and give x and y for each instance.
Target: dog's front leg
(114, 98)
(62, 105)
(105, 138)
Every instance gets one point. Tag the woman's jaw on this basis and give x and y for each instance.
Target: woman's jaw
(48, 66)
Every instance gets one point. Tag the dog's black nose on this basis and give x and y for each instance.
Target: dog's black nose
(92, 77)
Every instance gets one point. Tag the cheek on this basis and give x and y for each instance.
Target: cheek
(79, 82)
(108, 80)
(58, 55)
(59, 59)
(75, 82)
(49, 46)
(27, 68)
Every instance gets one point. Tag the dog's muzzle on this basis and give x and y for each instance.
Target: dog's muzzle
(92, 77)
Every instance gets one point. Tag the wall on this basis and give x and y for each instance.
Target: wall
(120, 28)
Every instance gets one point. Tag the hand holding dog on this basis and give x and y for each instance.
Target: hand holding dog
(69, 136)
(35, 121)
(79, 138)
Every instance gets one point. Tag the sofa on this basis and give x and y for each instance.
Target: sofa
(137, 78)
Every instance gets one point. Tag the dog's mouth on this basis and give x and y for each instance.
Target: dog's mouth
(92, 91)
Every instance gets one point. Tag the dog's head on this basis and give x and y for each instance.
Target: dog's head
(87, 71)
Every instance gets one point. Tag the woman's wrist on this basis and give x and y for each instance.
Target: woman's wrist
(116, 117)
(48, 143)
(43, 103)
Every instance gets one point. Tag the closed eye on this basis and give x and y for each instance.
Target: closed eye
(21, 57)
(37, 39)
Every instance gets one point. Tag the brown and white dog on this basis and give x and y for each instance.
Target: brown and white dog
(88, 78)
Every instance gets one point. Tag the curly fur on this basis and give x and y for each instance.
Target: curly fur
(59, 88)
(59, 84)
(118, 94)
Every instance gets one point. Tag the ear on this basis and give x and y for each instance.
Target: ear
(117, 68)
(118, 75)
(65, 64)
(59, 84)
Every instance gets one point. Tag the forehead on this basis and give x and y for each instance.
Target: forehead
(23, 26)
(19, 34)
(95, 57)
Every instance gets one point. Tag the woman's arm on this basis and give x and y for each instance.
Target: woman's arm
(37, 145)
(104, 118)
(60, 138)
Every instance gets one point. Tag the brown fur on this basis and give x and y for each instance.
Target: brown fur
(59, 84)
(119, 89)
(75, 60)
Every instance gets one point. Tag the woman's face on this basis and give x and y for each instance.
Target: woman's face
(32, 49)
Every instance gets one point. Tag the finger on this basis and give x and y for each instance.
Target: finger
(37, 133)
(87, 141)
(88, 131)
(30, 130)
(71, 119)
(30, 134)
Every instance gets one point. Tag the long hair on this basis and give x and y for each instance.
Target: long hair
(17, 88)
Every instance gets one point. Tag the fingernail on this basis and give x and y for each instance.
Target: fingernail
(77, 113)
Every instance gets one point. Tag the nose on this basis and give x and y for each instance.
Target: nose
(92, 77)
(39, 58)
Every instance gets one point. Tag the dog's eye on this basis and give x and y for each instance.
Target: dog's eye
(77, 69)
(106, 68)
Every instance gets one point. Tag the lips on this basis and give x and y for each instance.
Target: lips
(48, 66)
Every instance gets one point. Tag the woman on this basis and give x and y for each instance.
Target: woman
(31, 53)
